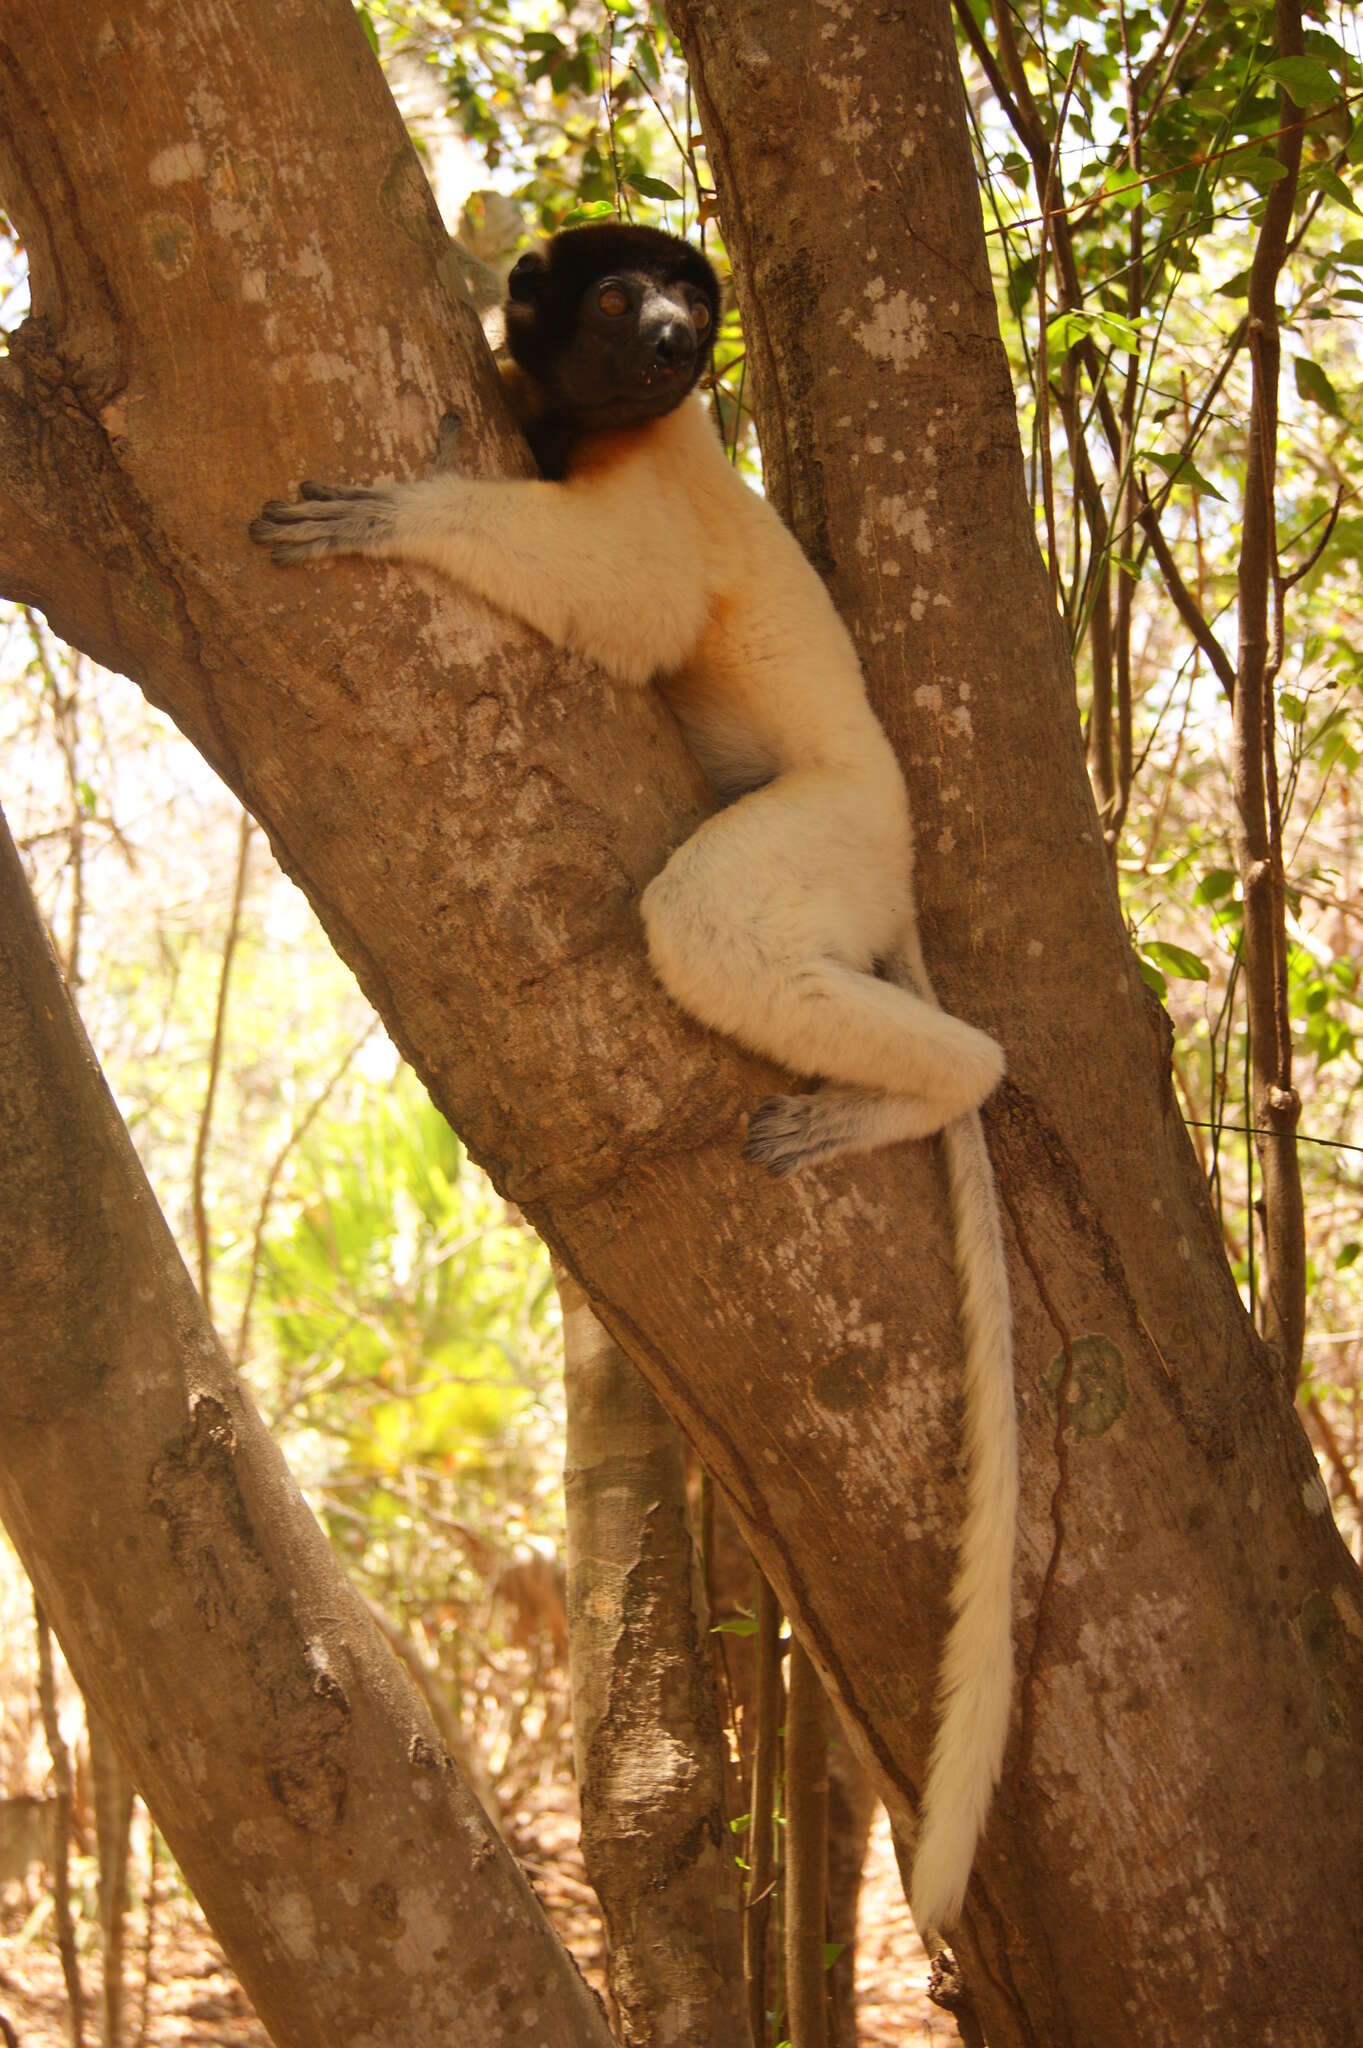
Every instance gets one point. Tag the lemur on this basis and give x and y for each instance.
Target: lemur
(787, 920)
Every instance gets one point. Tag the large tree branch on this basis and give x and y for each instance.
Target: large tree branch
(297, 1778)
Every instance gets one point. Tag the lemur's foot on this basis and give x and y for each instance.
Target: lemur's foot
(787, 1132)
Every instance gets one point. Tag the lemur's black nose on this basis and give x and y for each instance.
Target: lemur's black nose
(676, 343)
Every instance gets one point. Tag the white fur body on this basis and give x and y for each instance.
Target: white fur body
(769, 924)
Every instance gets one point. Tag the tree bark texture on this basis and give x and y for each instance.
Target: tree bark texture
(646, 1733)
(806, 1888)
(62, 1808)
(350, 1874)
(239, 280)
(114, 1793)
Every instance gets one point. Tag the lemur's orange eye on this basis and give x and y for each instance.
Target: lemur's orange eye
(700, 315)
(613, 299)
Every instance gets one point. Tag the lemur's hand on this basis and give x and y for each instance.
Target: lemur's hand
(333, 519)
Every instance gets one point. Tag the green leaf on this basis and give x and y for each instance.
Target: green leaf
(741, 1625)
(1236, 287)
(652, 188)
(1180, 470)
(371, 34)
(1123, 334)
(1315, 386)
(1021, 282)
(1305, 80)
(1330, 181)
(1352, 251)
(595, 209)
(831, 1951)
(1291, 707)
(1259, 170)
(1177, 962)
(1346, 1255)
(1066, 329)
(1337, 749)
(1215, 884)
(1152, 978)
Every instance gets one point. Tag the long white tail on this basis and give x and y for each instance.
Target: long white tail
(787, 1132)
(976, 1678)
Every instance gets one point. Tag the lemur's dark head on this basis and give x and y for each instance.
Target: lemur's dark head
(615, 323)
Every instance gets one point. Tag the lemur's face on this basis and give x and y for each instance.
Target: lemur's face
(614, 322)
(639, 343)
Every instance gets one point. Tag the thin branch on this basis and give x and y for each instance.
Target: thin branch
(65, 727)
(1042, 384)
(1290, 582)
(61, 1825)
(215, 1063)
(769, 1714)
(1256, 143)
(298, 1131)
(1259, 850)
(1185, 603)
(1330, 1444)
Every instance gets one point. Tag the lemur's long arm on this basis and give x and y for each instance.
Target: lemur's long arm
(602, 568)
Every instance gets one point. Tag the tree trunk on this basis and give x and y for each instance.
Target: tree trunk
(350, 1874)
(239, 280)
(759, 1949)
(1190, 1626)
(851, 1812)
(646, 1734)
(806, 1891)
(852, 1799)
(113, 1839)
(62, 1809)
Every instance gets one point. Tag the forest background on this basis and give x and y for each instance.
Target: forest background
(395, 1321)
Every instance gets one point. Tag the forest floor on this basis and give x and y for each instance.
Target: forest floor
(193, 1998)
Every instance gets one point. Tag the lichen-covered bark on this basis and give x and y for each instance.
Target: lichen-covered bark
(239, 281)
(646, 1734)
(351, 1874)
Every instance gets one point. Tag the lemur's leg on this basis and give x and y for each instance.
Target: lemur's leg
(789, 1131)
(544, 552)
(765, 925)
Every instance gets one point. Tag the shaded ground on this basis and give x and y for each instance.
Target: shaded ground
(193, 1998)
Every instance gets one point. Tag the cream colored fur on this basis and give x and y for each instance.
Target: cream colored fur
(770, 922)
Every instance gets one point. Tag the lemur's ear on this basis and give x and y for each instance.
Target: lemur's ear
(529, 276)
